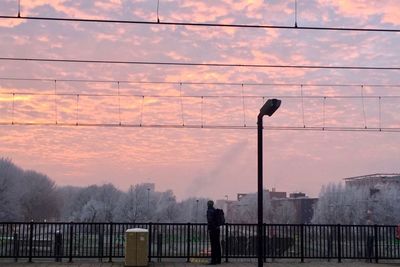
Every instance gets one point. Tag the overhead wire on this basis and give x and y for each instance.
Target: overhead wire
(363, 106)
(119, 104)
(202, 124)
(197, 83)
(302, 104)
(212, 65)
(220, 127)
(203, 24)
(304, 127)
(197, 64)
(55, 101)
(380, 112)
(244, 107)
(295, 13)
(19, 9)
(203, 96)
(158, 9)
(181, 102)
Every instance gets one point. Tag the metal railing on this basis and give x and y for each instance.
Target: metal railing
(190, 240)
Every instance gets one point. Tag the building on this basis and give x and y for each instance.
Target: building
(272, 194)
(275, 194)
(302, 204)
(372, 180)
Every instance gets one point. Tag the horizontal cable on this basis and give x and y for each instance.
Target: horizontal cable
(195, 24)
(203, 96)
(196, 83)
(194, 64)
(216, 127)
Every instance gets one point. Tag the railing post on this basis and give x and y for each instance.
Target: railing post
(150, 239)
(16, 246)
(159, 245)
(58, 246)
(376, 243)
(264, 241)
(339, 243)
(110, 243)
(30, 241)
(302, 242)
(226, 242)
(101, 242)
(71, 233)
(188, 244)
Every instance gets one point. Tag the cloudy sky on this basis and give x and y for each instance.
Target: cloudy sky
(204, 162)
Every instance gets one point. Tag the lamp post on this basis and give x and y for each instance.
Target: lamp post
(267, 109)
(197, 207)
(148, 202)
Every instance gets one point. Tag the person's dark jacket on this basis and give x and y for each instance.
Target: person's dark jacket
(211, 218)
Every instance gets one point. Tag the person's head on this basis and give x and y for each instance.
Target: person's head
(210, 203)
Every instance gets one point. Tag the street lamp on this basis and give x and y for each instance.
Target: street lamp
(267, 109)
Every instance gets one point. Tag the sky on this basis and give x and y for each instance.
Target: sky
(197, 162)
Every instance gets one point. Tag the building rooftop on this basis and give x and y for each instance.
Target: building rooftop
(372, 176)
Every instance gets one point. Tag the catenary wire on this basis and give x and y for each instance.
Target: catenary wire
(202, 24)
(197, 64)
(205, 96)
(197, 126)
(196, 83)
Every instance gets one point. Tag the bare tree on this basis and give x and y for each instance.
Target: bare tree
(9, 179)
(357, 205)
(38, 198)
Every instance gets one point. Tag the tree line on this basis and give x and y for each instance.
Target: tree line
(27, 195)
(339, 204)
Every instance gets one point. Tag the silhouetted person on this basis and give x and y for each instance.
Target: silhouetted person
(213, 231)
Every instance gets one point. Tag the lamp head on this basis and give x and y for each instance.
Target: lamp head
(270, 107)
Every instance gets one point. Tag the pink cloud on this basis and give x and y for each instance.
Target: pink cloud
(388, 10)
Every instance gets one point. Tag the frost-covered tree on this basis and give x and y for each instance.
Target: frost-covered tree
(26, 195)
(69, 196)
(137, 205)
(384, 206)
(166, 210)
(107, 196)
(192, 210)
(245, 211)
(38, 197)
(357, 205)
(10, 176)
(96, 204)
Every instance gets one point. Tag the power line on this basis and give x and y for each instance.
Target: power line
(198, 83)
(207, 96)
(184, 124)
(194, 24)
(213, 127)
(196, 64)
